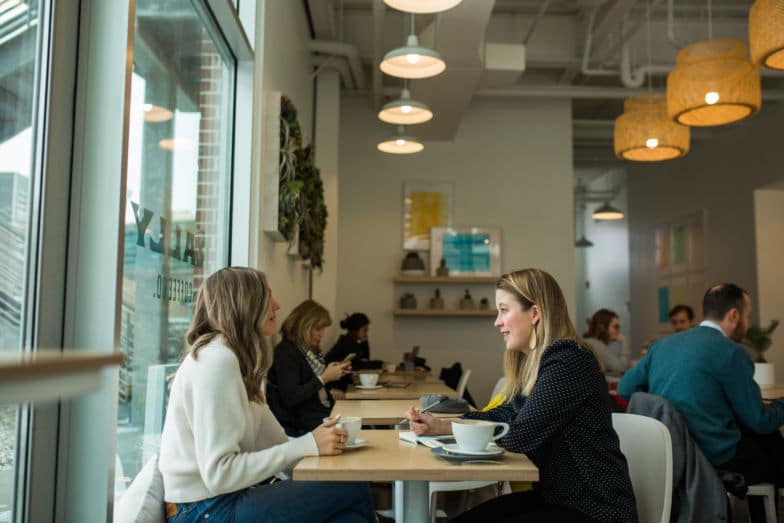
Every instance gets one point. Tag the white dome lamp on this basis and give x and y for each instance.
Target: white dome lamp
(412, 60)
(400, 143)
(405, 111)
(422, 6)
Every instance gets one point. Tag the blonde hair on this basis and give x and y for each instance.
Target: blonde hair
(234, 303)
(306, 316)
(534, 287)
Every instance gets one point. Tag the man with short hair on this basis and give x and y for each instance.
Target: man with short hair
(709, 378)
(681, 318)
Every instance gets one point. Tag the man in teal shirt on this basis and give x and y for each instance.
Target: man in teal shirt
(709, 378)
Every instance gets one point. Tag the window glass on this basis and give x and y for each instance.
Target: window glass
(20, 73)
(177, 215)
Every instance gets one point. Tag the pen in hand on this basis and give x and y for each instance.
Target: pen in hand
(422, 411)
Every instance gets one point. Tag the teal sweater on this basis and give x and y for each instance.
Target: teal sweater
(710, 380)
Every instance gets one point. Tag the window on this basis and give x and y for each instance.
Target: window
(20, 83)
(177, 206)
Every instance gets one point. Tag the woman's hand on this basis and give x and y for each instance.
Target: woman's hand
(426, 424)
(335, 371)
(329, 440)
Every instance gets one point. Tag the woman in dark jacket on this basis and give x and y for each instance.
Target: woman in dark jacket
(296, 382)
(355, 341)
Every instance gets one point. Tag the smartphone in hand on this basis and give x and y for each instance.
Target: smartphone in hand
(349, 357)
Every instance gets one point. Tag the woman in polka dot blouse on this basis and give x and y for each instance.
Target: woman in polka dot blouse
(558, 412)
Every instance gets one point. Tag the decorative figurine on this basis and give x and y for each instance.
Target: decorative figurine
(484, 304)
(408, 301)
(413, 265)
(442, 269)
(437, 302)
(467, 302)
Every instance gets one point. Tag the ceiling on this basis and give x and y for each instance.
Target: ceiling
(554, 54)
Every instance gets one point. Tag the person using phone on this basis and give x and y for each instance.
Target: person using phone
(354, 341)
(298, 381)
(221, 447)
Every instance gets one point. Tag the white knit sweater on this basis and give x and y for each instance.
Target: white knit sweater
(214, 440)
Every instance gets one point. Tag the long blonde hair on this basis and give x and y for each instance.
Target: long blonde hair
(534, 287)
(234, 303)
(306, 316)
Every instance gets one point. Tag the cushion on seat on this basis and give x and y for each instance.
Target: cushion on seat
(143, 501)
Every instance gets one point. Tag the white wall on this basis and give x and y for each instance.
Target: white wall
(283, 64)
(769, 229)
(511, 164)
(720, 175)
(604, 268)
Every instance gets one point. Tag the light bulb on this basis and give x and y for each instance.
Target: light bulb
(401, 142)
(147, 108)
(651, 143)
(405, 109)
(711, 97)
(412, 58)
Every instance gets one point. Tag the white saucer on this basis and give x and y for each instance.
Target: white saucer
(358, 444)
(492, 450)
(369, 387)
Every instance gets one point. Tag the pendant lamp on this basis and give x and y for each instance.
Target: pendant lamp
(713, 83)
(422, 6)
(412, 61)
(583, 242)
(405, 111)
(400, 143)
(644, 132)
(766, 33)
(156, 114)
(607, 212)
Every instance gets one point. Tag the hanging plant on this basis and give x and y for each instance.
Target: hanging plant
(313, 209)
(289, 217)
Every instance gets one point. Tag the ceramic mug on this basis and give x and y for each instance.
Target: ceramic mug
(352, 425)
(475, 435)
(368, 379)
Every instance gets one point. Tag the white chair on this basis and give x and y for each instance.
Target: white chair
(499, 386)
(461, 385)
(647, 446)
(451, 486)
(768, 492)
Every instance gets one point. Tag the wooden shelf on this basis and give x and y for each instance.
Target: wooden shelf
(445, 312)
(445, 279)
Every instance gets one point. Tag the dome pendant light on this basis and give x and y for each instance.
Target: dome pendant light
(400, 143)
(583, 242)
(405, 111)
(713, 83)
(422, 6)
(607, 212)
(766, 33)
(644, 132)
(412, 60)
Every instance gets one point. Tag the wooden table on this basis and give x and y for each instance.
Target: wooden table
(386, 458)
(45, 375)
(378, 412)
(412, 391)
(772, 393)
(408, 376)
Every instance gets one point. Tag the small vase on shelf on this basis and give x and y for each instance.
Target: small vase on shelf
(437, 302)
(467, 302)
(413, 265)
(442, 269)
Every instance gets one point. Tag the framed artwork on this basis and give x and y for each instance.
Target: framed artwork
(425, 205)
(468, 251)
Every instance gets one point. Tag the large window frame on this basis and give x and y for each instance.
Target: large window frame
(77, 267)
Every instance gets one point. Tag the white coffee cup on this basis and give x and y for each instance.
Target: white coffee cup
(352, 425)
(390, 367)
(475, 435)
(368, 379)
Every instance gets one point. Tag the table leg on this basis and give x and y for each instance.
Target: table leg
(412, 501)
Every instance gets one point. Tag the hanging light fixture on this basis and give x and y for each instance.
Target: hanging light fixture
(405, 111)
(644, 132)
(766, 33)
(713, 83)
(155, 113)
(607, 212)
(400, 143)
(583, 242)
(422, 6)
(412, 60)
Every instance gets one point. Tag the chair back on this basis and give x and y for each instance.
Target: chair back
(647, 446)
(461, 385)
(499, 386)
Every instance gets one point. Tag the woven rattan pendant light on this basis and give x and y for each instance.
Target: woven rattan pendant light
(713, 83)
(644, 132)
(766, 33)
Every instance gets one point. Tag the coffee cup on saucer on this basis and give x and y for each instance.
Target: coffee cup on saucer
(352, 425)
(368, 379)
(474, 435)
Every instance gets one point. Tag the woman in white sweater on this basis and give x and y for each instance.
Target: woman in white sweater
(608, 342)
(221, 447)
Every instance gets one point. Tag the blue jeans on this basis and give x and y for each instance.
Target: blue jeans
(284, 501)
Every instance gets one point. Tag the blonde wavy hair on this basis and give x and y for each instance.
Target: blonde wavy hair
(306, 316)
(234, 303)
(535, 287)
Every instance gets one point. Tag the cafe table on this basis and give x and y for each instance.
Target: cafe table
(378, 412)
(772, 393)
(411, 467)
(412, 390)
(407, 376)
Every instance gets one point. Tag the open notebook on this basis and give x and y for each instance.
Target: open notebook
(428, 441)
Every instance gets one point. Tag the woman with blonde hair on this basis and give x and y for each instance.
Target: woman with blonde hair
(297, 380)
(558, 410)
(222, 449)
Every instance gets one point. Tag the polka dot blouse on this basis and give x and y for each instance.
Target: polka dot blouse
(565, 428)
